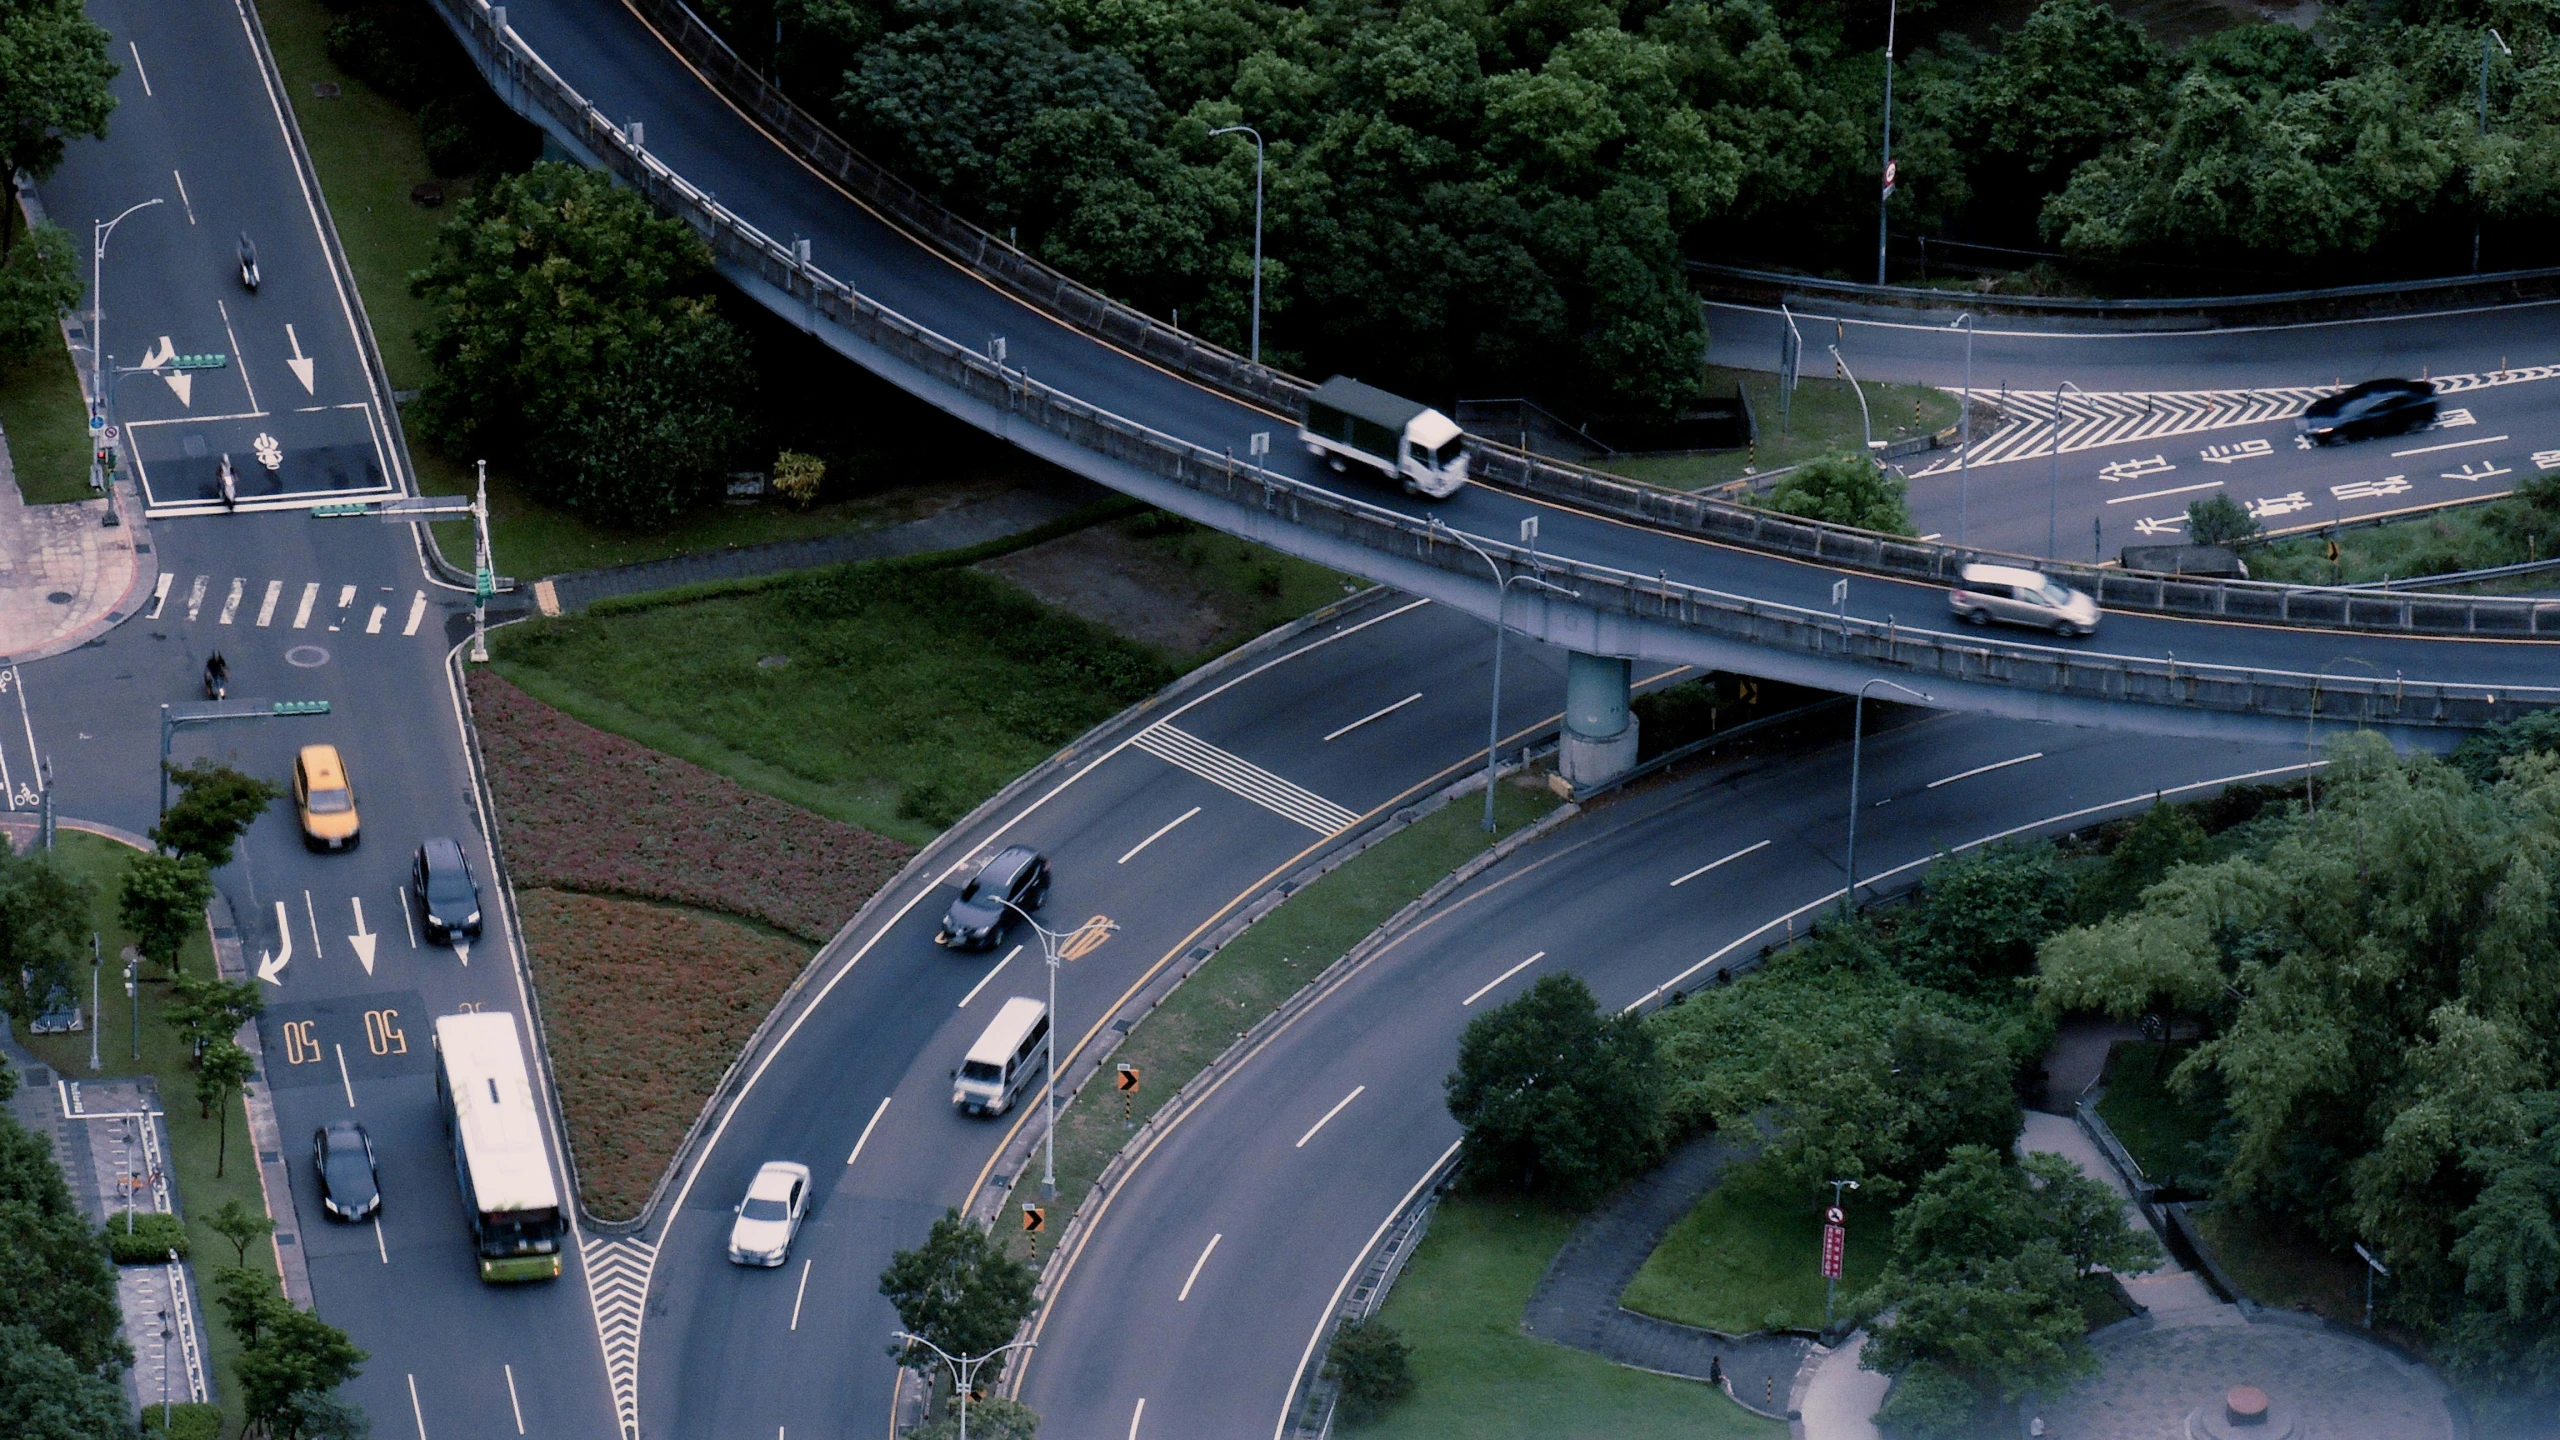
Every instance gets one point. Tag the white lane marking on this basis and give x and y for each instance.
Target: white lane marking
(195, 599)
(267, 605)
(1189, 1280)
(417, 612)
(346, 596)
(1328, 1116)
(231, 602)
(1982, 770)
(1373, 715)
(2156, 494)
(1241, 777)
(239, 362)
(1150, 840)
(382, 1249)
(160, 593)
(803, 1292)
(138, 72)
(373, 622)
(1498, 979)
(873, 1123)
(302, 611)
(1710, 865)
(2450, 445)
(512, 1403)
(300, 364)
(1333, 1303)
(342, 1073)
(1137, 1415)
(410, 920)
(982, 983)
(314, 912)
(414, 1412)
(183, 201)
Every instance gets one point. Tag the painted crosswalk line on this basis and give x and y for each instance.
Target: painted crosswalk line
(1241, 777)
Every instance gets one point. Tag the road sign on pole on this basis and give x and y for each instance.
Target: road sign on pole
(1034, 1218)
(1835, 1242)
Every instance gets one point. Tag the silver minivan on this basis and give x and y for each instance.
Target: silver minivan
(1013, 1048)
(1984, 593)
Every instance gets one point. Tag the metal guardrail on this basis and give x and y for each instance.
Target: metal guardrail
(2499, 286)
(1885, 645)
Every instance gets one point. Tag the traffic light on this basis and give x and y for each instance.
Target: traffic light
(198, 362)
(301, 707)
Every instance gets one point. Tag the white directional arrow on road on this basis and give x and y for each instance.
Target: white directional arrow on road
(300, 364)
(182, 382)
(361, 940)
(270, 966)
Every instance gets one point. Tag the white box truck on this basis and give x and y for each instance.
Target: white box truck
(1349, 423)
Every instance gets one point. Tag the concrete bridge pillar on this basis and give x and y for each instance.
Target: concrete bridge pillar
(1599, 740)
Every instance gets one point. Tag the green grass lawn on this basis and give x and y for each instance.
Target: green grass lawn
(1264, 966)
(2284, 1271)
(2164, 1133)
(194, 1140)
(2468, 537)
(1459, 1304)
(1824, 421)
(47, 427)
(1748, 1256)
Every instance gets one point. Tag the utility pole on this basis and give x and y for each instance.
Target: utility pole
(1964, 444)
(1893, 14)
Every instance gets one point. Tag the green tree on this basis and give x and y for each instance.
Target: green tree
(44, 931)
(54, 1275)
(162, 903)
(1981, 915)
(44, 1396)
(296, 1360)
(2219, 520)
(1929, 1402)
(205, 1008)
(959, 1290)
(234, 1222)
(221, 1072)
(215, 806)
(53, 86)
(1372, 1365)
(2164, 838)
(574, 329)
(1844, 490)
(2074, 79)
(39, 283)
(249, 1300)
(1557, 1097)
(991, 1418)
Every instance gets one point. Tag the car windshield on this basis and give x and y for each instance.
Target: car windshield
(981, 1070)
(521, 1232)
(2055, 594)
(332, 802)
(765, 1210)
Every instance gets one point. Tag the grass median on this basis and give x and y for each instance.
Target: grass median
(195, 1141)
(1250, 977)
(1825, 419)
(47, 427)
(2463, 537)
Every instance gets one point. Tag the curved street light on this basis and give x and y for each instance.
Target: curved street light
(2053, 486)
(964, 1368)
(1053, 948)
(1857, 743)
(1864, 423)
(1257, 228)
(1502, 598)
(100, 231)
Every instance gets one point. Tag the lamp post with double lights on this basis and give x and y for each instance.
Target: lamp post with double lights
(1964, 418)
(1502, 597)
(1857, 746)
(964, 1368)
(1055, 946)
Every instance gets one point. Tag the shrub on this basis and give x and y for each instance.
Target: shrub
(149, 1239)
(1845, 490)
(796, 477)
(1374, 1367)
(1557, 1097)
(187, 1421)
(993, 1418)
(2220, 520)
(1929, 1402)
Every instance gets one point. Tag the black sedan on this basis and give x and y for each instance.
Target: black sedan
(2376, 407)
(350, 1186)
(440, 885)
(1014, 882)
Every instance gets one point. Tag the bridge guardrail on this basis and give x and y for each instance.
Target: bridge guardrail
(1082, 307)
(1748, 285)
(1911, 650)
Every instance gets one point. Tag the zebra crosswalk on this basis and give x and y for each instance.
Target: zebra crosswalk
(617, 1272)
(278, 604)
(1238, 776)
(2098, 418)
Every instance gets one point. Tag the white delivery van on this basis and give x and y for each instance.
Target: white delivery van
(1014, 1047)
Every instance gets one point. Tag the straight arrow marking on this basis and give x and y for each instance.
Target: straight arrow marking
(300, 365)
(361, 940)
(270, 966)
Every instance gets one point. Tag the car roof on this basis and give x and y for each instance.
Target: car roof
(1006, 861)
(442, 850)
(320, 762)
(2000, 575)
(345, 1129)
(773, 1181)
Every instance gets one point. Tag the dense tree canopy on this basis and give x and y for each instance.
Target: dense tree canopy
(1558, 1098)
(53, 87)
(44, 931)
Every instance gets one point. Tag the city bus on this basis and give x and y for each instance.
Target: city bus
(495, 1122)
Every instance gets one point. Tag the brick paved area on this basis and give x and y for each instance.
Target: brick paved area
(2348, 1388)
(64, 578)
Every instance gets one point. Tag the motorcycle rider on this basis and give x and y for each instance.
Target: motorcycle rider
(230, 483)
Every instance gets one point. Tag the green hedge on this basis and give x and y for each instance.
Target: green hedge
(188, 1421)
(149, 1241)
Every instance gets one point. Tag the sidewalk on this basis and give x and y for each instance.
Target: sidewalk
(66, 579)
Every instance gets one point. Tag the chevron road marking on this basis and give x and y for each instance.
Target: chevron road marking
(618, 1287)
(1238, 776)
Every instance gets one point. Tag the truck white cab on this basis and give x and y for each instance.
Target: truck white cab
(1349, 423)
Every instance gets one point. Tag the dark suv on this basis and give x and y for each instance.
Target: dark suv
(440, 885)
(2376, 407)
(1014, 880)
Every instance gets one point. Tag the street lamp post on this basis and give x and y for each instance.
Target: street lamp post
(99, 233)
(1053, 949)
(1964, 445)
(964, 1368)
(166, 1332)
(1864, 422)
(2485, 41)
(2053, 482)
(1501, 599)
(1857, 744)
(1893, 13)
(1257, 229)
(2372, 1267)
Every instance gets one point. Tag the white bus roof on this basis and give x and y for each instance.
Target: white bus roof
(497, 1120)
(1004, 1033)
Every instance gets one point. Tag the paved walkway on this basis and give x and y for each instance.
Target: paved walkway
(2156, 1374)
(65, 579)
(1576, 1302)
(1838, 1398)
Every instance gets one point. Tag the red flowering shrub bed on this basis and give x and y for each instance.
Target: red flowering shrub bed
(645, 1006)
(590, 811)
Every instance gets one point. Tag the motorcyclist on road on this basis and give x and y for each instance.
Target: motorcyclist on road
(230, 483)
(217, 677)
(248, 264)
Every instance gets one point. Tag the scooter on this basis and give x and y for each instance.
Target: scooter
(230, 484)
(217, 677)
(248, 264)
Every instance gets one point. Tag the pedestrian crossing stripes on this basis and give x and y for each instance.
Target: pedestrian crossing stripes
(2113, 417)
(232, 606)
(617, 1273)
(1238, 776)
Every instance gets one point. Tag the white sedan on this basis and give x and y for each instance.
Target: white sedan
(770, 1215)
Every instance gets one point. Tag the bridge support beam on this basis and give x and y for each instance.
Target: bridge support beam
(1599, 742)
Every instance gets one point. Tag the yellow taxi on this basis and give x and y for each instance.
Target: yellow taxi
(326, 802)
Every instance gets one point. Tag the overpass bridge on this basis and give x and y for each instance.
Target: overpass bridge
(958, 317)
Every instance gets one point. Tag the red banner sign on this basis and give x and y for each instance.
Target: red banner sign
(1835, 1240)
